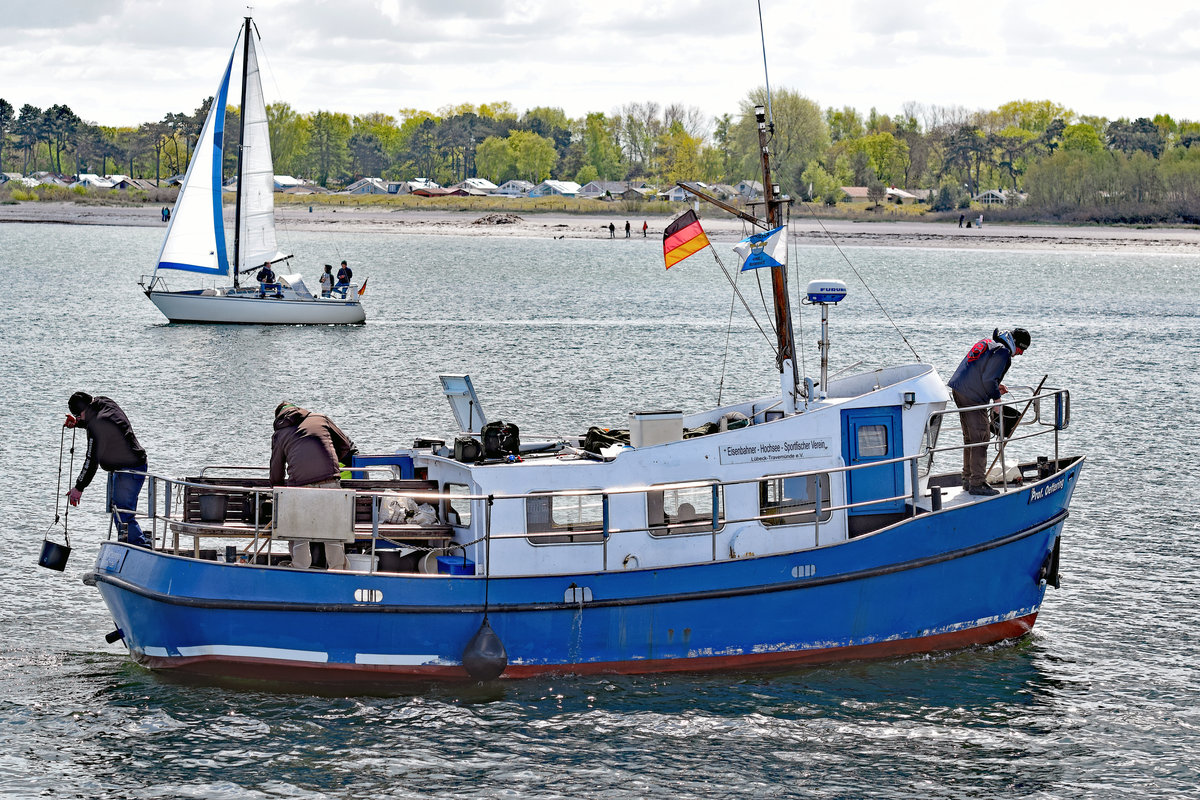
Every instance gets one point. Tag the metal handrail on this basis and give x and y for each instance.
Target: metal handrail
(262, 535)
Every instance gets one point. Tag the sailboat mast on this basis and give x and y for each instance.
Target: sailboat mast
(237, 212)
(786, 357)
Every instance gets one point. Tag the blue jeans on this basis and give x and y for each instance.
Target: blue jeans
(123, 491)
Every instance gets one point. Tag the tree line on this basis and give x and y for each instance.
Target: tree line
(1066, 163)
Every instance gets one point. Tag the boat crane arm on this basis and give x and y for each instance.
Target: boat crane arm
(708, 198)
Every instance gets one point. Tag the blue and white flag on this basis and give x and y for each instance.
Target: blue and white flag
(763, 249)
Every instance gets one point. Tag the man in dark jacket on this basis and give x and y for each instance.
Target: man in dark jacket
(112, 446)
(977, 381)
(344, 276)
(309, 447)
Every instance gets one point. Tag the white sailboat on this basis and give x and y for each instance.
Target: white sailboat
(196, 237)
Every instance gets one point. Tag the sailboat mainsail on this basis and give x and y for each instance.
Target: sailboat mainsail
(257, 226)
(195, 240)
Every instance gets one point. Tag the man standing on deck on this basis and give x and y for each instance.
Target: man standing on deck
(112, 446)
(977, 382)
(344, 274)
(309, 446)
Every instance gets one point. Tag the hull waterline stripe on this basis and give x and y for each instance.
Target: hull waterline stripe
(360, 673)
(709, 594)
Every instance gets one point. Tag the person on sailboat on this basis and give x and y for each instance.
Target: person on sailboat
(978, 381)
(343, 279)
(266, 280)
(111, 445)
(309, 448)
(327, 281)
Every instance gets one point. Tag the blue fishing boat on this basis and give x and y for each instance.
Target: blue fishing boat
(805, 526)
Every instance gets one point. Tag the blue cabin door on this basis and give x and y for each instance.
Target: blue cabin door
(873, 434)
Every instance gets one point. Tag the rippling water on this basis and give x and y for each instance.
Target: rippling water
(1101, 701)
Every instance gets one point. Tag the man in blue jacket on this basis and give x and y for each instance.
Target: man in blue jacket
(977, 381)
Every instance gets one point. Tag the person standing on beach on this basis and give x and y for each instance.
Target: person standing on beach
(961, 217)
(612, 231)
(626, 229)
(111, 445)
(644, 227)
(976, 382)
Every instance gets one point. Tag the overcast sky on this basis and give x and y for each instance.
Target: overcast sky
(123, 62)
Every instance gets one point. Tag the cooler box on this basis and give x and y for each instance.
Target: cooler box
(455, 565)
(404, 463)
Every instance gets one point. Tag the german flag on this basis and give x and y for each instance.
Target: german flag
(682, 238)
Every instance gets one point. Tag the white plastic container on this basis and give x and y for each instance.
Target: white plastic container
(361, 562)
(655, 427)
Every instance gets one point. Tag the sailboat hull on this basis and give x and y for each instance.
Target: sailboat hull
(251, 310)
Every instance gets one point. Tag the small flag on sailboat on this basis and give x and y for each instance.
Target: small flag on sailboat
(363, 288)
(767, 249)
(682, 238)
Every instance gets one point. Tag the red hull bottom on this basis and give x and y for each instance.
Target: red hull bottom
(281, 671)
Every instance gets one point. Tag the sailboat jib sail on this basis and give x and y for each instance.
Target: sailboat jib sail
(195, 240)
(257, 234)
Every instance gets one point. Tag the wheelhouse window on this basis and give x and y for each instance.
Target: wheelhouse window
(669, 511)
(458, 507)
(873, 441)
(557, 519)
(793, 501)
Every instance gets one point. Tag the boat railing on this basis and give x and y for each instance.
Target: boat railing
(169, 520)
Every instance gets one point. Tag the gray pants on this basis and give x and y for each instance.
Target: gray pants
(974, 431)
(335, 552)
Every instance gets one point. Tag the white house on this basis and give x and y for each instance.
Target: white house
(367, 186)
(411, 185)
(677, 194)
(552, 187)
(611, 189)
(997, 197)
(89, 180)
(477, 186)
(750, 190)
(515, 188)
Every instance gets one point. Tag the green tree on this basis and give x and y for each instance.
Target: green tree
(586, 175)
(328, 145)
(799, 135)
(533, 156)
(1034, 116)
(817, 183)
(886, 155)
(494, 160)
(1081, 138)
(7, 115)
(289, 139)
(680, 154)
(601, 148)
(1015, 146)
(844, 123)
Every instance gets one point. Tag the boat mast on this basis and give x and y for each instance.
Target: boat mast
(237, 212)
(774, 200)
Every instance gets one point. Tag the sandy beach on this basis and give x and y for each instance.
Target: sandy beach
(350, 219)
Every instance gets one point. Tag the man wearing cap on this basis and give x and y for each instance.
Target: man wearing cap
(977, 381)
(309, 447)
(112, 446)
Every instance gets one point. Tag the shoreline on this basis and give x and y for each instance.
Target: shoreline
(551, 225)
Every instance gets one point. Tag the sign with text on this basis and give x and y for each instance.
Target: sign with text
(785, 450)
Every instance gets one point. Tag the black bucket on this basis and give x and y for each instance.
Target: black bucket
(213, 507)
(54, 555)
